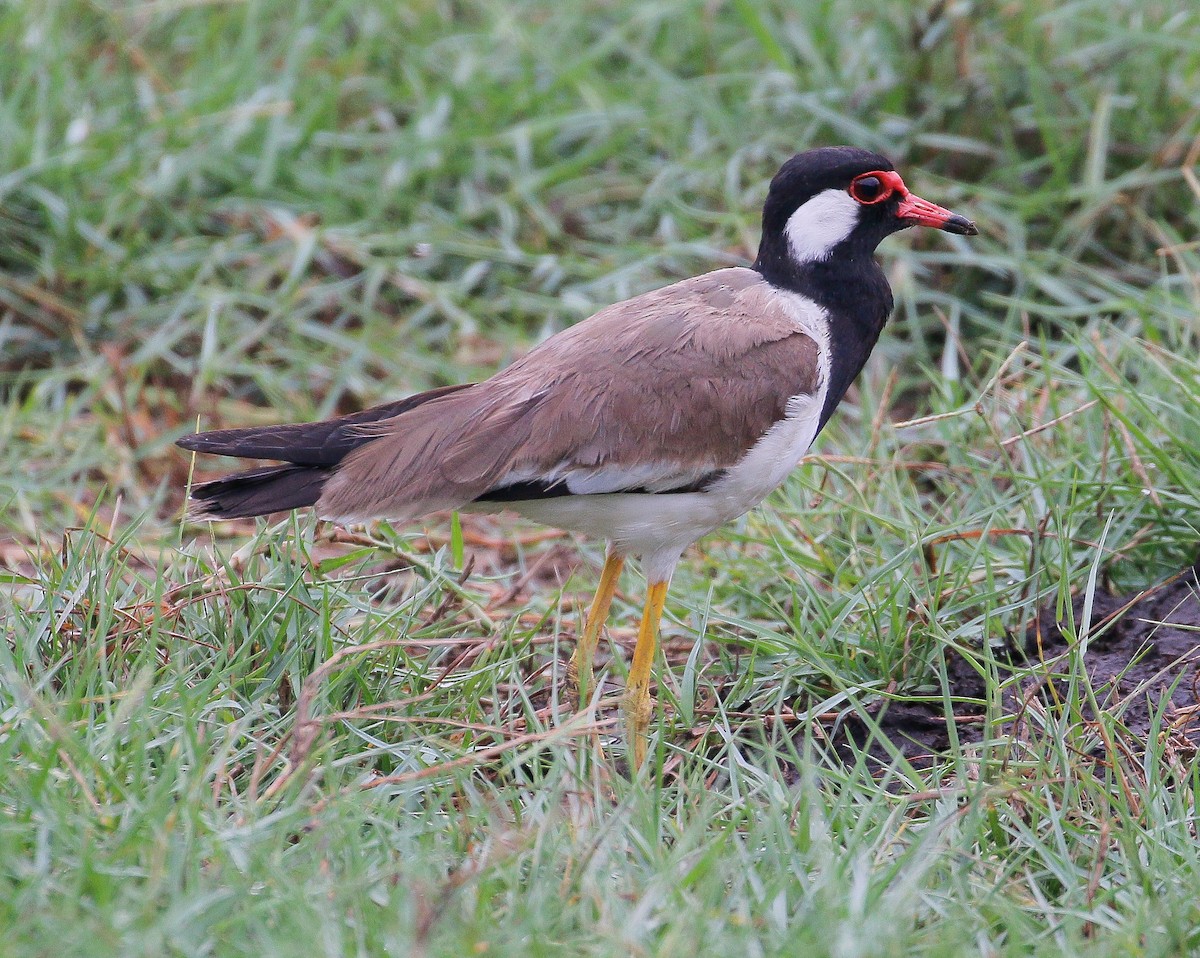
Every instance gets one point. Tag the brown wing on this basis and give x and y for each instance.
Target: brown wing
(653, 393)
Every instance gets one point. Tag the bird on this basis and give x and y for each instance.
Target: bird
(648, 425)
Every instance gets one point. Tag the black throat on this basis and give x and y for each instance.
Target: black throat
(852, 289)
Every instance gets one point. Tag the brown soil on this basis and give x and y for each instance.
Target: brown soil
(1143, 648)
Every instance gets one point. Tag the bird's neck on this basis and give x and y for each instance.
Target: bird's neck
(853, 291)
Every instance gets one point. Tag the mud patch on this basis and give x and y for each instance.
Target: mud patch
(1143, 650)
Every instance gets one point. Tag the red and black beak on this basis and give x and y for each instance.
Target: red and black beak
(915, 211)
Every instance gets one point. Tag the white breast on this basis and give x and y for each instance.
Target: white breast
(776, 454)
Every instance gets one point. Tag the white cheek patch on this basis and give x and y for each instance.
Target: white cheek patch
(820, 224)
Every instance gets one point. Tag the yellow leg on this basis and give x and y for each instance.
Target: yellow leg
(579, 669)
(636, 704)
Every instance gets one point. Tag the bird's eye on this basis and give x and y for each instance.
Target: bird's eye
(870, 188)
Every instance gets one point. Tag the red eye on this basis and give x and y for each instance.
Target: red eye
(873, 187)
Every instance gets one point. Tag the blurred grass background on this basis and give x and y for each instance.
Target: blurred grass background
(243, 212)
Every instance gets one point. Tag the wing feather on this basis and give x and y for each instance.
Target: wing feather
(654, 392)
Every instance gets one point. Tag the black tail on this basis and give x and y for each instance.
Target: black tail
(258, 492)
(313, 451)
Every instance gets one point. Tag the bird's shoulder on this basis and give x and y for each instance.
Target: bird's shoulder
(713, 322)
(722, 311)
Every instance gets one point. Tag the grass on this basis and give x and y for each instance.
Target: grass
(267, 739)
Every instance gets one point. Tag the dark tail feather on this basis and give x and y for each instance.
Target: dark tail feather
(313, 449)
(258, 492)
(308, 443)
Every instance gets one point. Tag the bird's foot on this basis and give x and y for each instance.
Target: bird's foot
(638, 706)
(579, 679)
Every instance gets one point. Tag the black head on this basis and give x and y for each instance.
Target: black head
(836, 204)
(825, 213)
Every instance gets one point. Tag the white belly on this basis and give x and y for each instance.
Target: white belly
(635, 523)
(644, 524)
(658, 527)
(764, 468)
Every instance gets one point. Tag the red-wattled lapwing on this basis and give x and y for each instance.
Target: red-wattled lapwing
(648, 425)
